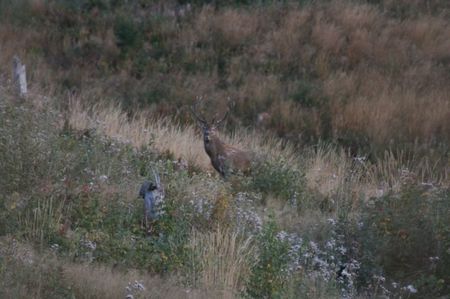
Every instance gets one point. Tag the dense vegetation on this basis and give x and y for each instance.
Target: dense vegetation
(345, 104)
(365, 75)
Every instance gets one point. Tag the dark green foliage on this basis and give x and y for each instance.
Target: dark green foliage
(278, 178)
(25, 148)
(170, 245)
(407, 235)
(78, 6)
(268, 278)
(128, 34)
(306, 95)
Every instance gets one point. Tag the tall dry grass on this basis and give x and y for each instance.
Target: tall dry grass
(89, 281)
(43, 275)
(161, 134)
(166, 136)
(44, 218)
(360, 57)
(222, 260)
(330, 171)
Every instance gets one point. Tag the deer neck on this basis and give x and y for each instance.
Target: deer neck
(214, 147)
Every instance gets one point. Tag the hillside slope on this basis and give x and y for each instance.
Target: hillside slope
(300, 218)
(343, 103)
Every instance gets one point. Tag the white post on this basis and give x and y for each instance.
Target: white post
(20, 77)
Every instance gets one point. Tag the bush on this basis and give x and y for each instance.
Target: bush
(268, 277)
(407, 235)
(127, 34)
(278, 178)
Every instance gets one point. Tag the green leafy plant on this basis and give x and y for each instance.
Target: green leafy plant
(127, 34)
(407, 235)
(268, 277)
(278, 178)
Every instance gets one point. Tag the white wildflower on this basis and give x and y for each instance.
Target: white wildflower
(313, 246)
(89, 244)
(138, 286)
(410, 288)
(282, 235)
(55, 247)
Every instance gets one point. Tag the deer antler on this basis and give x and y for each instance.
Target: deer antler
(230, 105)
(197, 115)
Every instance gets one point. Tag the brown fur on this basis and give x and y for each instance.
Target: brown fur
(225, 158)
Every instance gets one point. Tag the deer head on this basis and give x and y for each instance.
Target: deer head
(209, 129)
(224, 157)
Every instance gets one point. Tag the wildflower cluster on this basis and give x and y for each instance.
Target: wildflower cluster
(246, 219)
(328, 262)
(201, 207)
(133, 290)
(87, 249)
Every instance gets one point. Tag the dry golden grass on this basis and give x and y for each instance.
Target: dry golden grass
(235, 27)
(328, 36)
(329, 171)
(183, 142)
(285, 42)
(397, 114)
(89, 281)
(395, 169)
(222, 260)
(47, 216)
(339, 178)
(160, 134)
(364, 58)
(355, 16)
(36, 271)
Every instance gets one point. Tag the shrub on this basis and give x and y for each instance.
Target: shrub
(29, 158)
(170, 244)
(407, 235)
(278, 178)
(305, 95)
(25, 148)
(268, 277)
(127, 34)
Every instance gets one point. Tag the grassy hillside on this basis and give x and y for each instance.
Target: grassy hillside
(368, 75)
(344, 104)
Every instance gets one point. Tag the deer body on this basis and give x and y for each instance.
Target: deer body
(225, 158)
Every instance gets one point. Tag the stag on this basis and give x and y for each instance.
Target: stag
(225, 158)
(153, 195)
